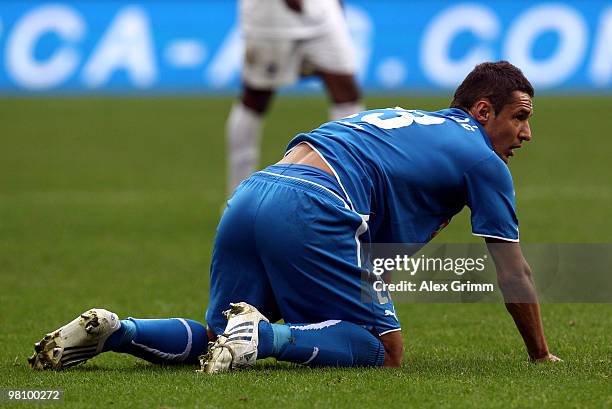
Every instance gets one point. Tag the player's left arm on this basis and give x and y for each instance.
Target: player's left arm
(490, 196)
(516, 283)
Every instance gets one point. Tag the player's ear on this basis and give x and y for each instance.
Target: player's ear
(482, 111)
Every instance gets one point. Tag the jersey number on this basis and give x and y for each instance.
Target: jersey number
(401, 119)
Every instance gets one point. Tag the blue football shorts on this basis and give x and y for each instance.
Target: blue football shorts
(288, 244)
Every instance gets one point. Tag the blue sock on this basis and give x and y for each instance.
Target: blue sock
(328, 343)
(123, 336)
(272, 338)
(161, 341)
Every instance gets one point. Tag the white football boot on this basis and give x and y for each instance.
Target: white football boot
(237, 346)
(75, 342)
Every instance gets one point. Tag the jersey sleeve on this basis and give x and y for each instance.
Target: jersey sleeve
(490, 197)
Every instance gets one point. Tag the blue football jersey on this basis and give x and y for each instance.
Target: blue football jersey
(408, 172)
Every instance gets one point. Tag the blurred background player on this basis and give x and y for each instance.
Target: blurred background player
(285, 39)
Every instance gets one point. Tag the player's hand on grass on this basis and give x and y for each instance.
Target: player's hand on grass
(295, 5)
(548, 358)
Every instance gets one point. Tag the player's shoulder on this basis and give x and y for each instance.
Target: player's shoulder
(476, 138)
(459, 120)
(491, 169)
(473, 152)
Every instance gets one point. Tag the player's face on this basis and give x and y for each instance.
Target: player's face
(510, 128)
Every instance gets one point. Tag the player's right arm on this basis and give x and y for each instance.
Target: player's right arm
(517, 286)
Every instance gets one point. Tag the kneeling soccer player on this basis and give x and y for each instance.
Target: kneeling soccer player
(288, 245)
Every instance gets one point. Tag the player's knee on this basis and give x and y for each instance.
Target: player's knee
(394, 349)
(342, 88)
(256, 100)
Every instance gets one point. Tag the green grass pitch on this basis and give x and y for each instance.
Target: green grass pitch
(114, 202)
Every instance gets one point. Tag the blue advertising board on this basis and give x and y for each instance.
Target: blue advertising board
(191, 46)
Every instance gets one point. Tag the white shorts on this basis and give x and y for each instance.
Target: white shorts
(270, 63)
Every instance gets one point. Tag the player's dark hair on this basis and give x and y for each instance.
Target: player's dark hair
(495, 81)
